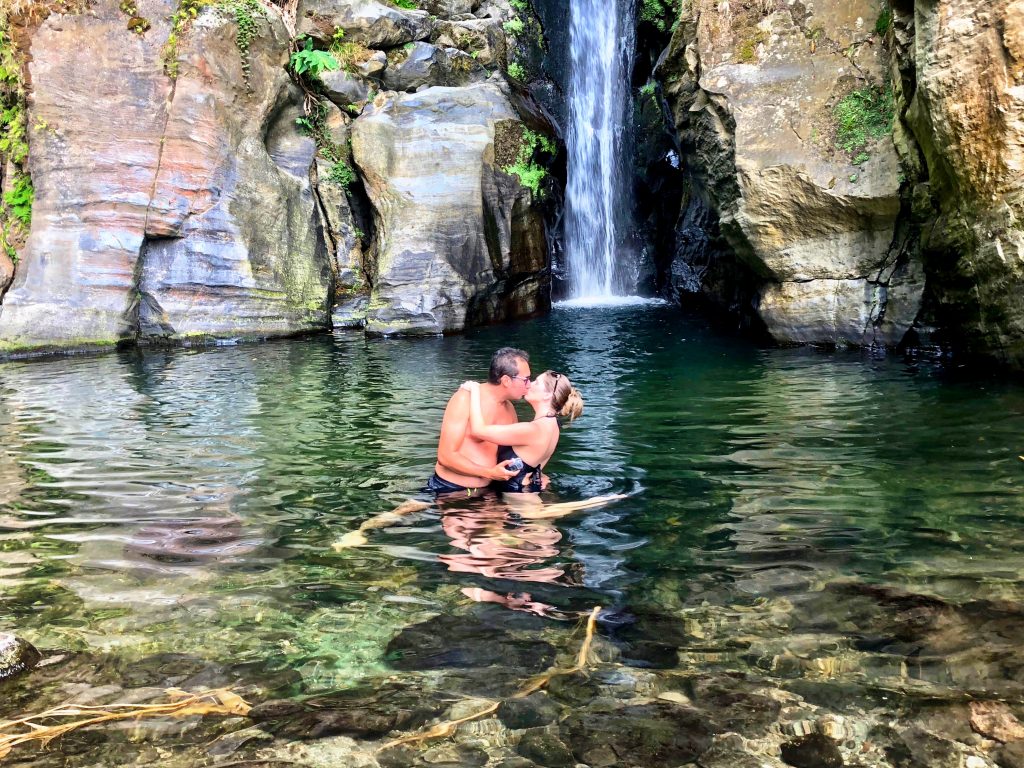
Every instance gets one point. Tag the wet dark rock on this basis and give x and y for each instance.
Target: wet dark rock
(545, 748)
(812, 751)
(616, 682)
(516, 762)
(398, 757)
(16, 656)
(643, 735)
(159, 670)
(651, 655)
(895, 621)
(463, 642)
(951, 720)
(1010, 755)
(731, 708)
(921, 749)
(361, 713)
(728, 756)
(533, 711)
(450, 756)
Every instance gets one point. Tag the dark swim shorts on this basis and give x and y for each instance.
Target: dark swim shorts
(438, 485)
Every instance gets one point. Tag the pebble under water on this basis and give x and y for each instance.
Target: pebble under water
(817, 563)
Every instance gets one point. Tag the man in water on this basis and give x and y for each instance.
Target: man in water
(464, 464)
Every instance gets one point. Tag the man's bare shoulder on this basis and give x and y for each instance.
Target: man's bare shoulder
(458, 402)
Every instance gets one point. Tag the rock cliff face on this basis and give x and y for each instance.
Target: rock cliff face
(164, 207)
(754, 90)
(178, 198)
(450, 223)
(879, 238)
(960, 66)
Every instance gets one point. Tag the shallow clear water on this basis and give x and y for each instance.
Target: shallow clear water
(782, 504)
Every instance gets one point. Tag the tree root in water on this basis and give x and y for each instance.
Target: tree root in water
(448, 727)
(182, 704)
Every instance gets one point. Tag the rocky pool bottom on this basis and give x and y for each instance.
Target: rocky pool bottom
(817, 563)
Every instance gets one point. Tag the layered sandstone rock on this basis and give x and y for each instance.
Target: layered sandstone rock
(753, 87)
(165, 207)
(457, 239)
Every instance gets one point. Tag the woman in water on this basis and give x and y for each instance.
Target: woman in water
(531, 444)
(528, 445)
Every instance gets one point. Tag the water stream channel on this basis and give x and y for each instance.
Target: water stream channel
(812, 543)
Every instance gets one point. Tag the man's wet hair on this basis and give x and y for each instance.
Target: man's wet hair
(504, 363)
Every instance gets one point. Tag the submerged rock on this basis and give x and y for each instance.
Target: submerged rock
(358, 713)
(641, 736)
(812, 751)
(16, 656)
(462, 642)
(533, 711)
(545, 748)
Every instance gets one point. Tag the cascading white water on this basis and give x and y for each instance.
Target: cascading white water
(598, 197)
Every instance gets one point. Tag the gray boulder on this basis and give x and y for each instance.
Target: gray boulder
(6, 272)
(343, 88)
(458, 241)
(425, 64)
(483, 39)
(16, 656)
(372, 23)
(448, 8)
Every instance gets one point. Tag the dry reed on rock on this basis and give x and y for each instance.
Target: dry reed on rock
(182, 704)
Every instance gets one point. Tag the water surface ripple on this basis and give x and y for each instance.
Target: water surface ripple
(782, 504)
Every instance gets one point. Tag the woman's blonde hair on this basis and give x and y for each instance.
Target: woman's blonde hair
(565, 398)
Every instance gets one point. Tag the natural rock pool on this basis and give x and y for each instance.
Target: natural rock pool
(815, 545)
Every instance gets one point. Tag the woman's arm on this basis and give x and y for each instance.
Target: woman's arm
(501, 434)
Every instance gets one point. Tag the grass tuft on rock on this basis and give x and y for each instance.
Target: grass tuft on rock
(862, 116)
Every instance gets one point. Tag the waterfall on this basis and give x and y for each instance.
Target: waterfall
(599, 195)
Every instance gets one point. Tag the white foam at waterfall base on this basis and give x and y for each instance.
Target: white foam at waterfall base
(594, 302)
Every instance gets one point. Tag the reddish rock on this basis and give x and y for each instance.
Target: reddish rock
(6, 272)
(164, 207)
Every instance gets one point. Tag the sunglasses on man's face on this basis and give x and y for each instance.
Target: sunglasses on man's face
(525, 379)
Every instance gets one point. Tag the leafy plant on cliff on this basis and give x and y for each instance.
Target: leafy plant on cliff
(884, 20)
(862, 116)
(514, 26)
(663, 14)
(310, 62)
(526, 168)
(16, 211)
(314, 125)
(247, 14)
(409, 5)
(181, 20)
(341, 173)
(517, 71)
(136, 23)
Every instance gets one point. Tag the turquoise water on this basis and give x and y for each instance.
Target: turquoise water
(782, 504)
